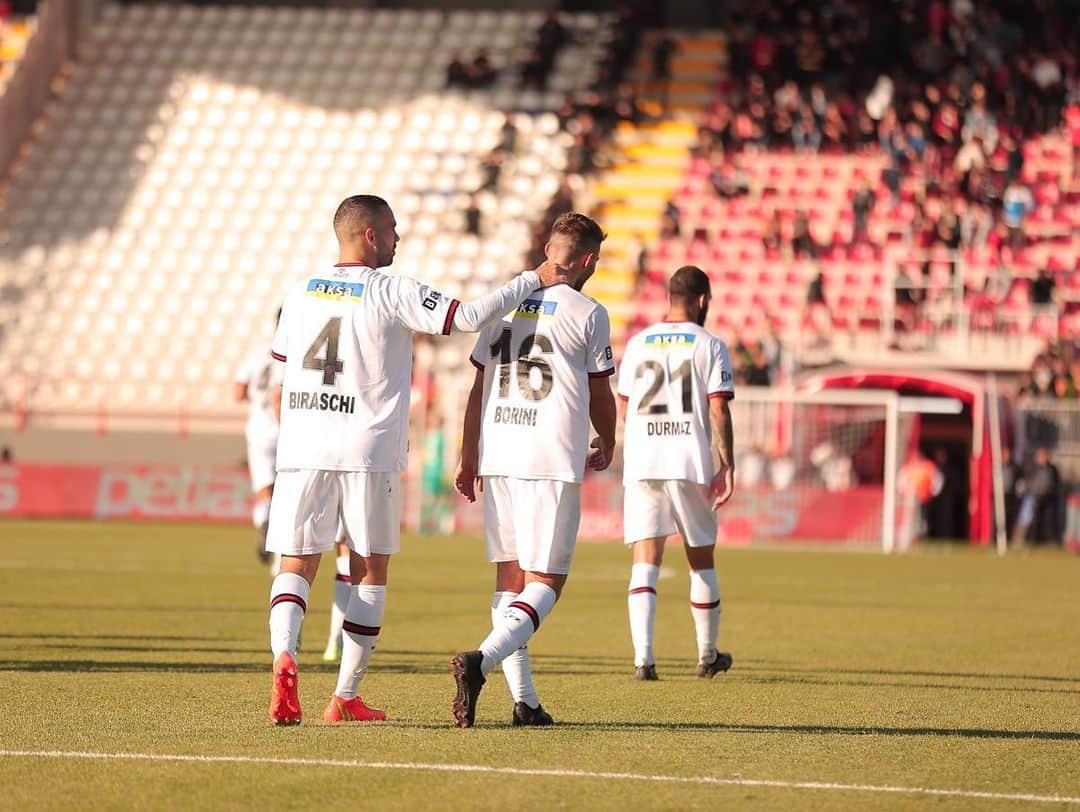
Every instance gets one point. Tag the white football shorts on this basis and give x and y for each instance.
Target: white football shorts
(655, 508)
(532, 521)
(308, 506)
(261, 459)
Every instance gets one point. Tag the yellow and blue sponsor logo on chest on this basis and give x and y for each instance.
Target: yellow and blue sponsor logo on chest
(337, 291)
(535, 309)
(664, 340)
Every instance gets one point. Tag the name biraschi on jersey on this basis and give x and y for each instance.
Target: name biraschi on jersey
(323, 401)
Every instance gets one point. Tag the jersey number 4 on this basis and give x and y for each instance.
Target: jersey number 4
(330, 365)
(526, 381)
(681, 373)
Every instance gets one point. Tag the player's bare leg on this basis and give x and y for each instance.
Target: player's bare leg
(519, 622)
(342, 591)
(705, 608)
(509, 581)
(288, 602)
(648, 554)
(360, 633)
(260, 519)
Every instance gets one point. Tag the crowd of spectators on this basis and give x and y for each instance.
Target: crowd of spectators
(475, 73)
(591, 117)
(1055, 373)
(945, 90)
(923, 80)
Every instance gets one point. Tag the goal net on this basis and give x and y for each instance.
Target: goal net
(817, 467)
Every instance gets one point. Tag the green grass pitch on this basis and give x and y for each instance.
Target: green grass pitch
(944, 669)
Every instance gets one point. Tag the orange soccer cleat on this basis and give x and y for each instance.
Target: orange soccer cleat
(351, 710)
(284, 701)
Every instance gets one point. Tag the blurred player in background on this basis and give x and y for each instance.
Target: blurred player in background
(541, 377)
(256, 383)
(345, 339)
(340, 603)
(675, 383)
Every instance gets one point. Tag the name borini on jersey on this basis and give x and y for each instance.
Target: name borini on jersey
(323, 401)
(515, 415)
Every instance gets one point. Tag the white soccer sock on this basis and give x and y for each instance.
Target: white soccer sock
(641, 605)
(705, 607)
(519, 622)
(516, 666)
(260, 512)
(288, 602)
(361, 627)
(342, 591)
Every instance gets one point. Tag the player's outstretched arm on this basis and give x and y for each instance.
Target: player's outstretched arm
(240, 391)
(473, 316)
(723, 484)
(603, 414)
(465, 480)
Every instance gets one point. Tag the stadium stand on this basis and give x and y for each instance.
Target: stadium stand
(187, 171)
(864, 187)
(15, 32)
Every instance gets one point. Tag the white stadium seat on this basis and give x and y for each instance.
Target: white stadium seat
(187, 173)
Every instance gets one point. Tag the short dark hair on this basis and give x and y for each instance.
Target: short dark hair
(580, 232)
(357, 213)
(688, 283)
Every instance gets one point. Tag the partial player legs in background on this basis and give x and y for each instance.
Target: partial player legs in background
(342, 591)
(260, 520)
(641, 604)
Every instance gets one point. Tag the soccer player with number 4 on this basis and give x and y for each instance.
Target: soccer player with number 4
(675, 383)
(345, 338)
(542, 377)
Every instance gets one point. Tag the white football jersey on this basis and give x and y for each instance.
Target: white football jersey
(669, 372)
(260, 373)
(537, 362)
(346, 339)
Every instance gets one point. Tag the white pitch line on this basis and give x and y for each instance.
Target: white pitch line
(547, 773)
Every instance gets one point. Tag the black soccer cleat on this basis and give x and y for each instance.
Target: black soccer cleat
(646, 673)
(524, 716)
(722, 662)
(466, 670)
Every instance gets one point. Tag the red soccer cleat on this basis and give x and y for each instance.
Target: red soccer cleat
(284, 701)
(351, 710)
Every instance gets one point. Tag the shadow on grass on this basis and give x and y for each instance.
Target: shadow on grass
(394, 663)
(831, 730)
(147, 636)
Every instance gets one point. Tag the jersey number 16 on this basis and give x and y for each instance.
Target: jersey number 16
(526, 381)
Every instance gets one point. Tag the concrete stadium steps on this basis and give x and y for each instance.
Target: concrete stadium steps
(695, 67)
(649, 162)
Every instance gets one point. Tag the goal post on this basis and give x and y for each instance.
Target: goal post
(817, 466)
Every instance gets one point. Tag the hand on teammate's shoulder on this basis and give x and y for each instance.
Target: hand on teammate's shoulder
(551, 273)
